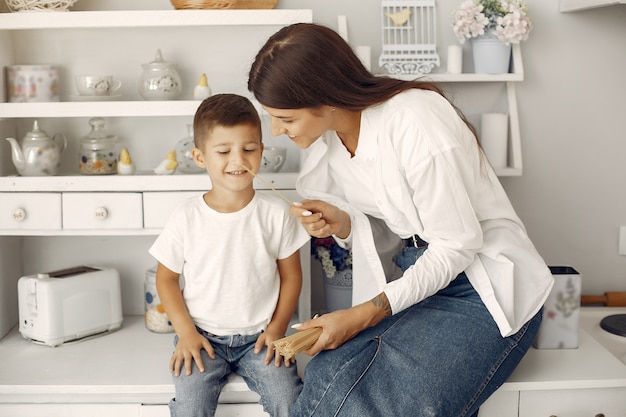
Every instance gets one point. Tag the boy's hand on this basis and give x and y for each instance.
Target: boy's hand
(267, 338)
(188, 351)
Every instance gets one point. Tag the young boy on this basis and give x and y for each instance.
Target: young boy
(239, 252)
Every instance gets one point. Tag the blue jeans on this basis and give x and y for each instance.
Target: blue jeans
(197, 394)
(441, 357)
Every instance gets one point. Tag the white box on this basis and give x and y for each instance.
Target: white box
(561, 312)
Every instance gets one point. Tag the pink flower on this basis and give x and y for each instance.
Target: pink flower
(507, 18)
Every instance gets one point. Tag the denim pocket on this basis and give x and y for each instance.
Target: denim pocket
(408, 256)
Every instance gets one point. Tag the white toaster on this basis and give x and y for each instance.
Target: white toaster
(69, 304)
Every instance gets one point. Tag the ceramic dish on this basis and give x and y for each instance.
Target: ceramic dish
(96, 98)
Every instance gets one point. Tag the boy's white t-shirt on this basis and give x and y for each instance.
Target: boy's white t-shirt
(229, 260)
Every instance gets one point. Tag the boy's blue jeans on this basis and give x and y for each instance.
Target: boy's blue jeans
(441, 357)
(197, 394)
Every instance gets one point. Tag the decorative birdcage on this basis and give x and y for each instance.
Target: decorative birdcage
(409, 37)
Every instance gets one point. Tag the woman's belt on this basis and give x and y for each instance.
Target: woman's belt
(415, 241)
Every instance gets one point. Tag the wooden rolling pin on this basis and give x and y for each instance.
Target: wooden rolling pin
(609, 299)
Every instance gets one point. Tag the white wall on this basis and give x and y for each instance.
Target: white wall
(571, 195)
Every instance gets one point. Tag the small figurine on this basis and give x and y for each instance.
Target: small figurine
(399, 18)
(125, 165)
(202, 90)
(168, 165)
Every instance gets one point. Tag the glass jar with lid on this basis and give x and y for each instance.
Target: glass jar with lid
(98, 153)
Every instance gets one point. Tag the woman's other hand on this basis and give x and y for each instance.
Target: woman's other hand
(342, 325)
(321, 219)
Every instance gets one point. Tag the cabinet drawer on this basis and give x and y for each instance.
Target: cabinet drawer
(102, 211)
(158, 206)
(500, 404)
(30, 211)
(610, 402)
(69, 410)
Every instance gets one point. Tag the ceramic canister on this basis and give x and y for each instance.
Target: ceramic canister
(32, 83)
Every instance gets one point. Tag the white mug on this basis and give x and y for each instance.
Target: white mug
(96, 85)
(32, 83)
(273, 159)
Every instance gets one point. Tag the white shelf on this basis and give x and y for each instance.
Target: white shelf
(131, 183)
(102, 108)
(515, 141)
(576, 5)
(152, 18)
(515, 76)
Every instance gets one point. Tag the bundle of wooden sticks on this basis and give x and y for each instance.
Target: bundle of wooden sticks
(289, 346)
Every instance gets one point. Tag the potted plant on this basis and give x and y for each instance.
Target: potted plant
(494, 23)
(337, 266)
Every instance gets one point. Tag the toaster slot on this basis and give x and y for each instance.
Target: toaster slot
(70, 272)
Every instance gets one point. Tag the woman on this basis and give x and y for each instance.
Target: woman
(439, 340)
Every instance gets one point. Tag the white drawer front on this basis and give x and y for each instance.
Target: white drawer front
(500, 404)
(610, 402)
(102, 211)
(158, 206)
(30, 211)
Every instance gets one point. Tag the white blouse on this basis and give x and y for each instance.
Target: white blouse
(427, 177)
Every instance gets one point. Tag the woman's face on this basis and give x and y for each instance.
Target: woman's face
(302, 126)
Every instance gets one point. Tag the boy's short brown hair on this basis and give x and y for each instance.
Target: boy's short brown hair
(223, 110)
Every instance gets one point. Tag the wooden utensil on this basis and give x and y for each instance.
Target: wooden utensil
(609, 299)
(281, 195)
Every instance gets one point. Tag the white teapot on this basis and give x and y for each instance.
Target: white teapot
(39, 154)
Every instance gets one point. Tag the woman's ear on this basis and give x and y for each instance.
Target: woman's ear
(198, 157)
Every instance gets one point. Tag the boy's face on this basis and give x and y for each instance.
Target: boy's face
(225, 151)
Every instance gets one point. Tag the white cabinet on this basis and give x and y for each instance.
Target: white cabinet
(95, 209)
(509, 80)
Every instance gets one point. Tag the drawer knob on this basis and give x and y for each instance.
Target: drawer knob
(101, 213)
(19, 215)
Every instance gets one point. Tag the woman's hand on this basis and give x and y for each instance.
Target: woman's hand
(321, 219)
(342, 325)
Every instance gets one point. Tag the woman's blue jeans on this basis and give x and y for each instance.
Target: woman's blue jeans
(441, 357)
(197, 394)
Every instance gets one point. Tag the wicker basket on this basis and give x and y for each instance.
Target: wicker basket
(50, 5)
(223, 4)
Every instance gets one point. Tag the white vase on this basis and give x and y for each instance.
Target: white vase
(491, 56)
(338, 290)
(494, 138)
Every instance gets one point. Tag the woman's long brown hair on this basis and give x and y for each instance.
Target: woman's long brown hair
(306, 65)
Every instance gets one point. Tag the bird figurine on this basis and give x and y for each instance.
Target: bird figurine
(202, 89)
(168, 165)
(400, 17)
(125, 165)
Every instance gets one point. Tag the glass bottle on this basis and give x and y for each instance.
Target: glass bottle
(183, 149)
(98, 153)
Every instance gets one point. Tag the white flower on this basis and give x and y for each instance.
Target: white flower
(508, 18)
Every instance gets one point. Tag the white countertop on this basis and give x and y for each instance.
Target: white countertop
(130, 365)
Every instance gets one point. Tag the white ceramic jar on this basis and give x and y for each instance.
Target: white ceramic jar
(32, 83)
(159, 80)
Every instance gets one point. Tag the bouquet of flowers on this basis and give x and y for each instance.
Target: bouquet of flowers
(508, 19)
(332, 256)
